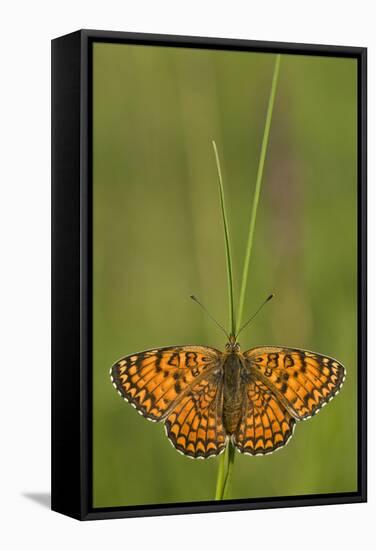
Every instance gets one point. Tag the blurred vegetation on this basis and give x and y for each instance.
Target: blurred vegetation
(158, 239)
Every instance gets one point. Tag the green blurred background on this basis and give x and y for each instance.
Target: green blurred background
(158, 238)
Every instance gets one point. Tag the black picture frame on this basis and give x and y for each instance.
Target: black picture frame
(72, 273)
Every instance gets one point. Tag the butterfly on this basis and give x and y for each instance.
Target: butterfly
(206, 397)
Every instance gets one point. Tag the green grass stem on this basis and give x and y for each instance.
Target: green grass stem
(256, 196)
(227, 459)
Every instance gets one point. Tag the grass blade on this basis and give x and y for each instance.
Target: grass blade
(227, 243)
(256, 195)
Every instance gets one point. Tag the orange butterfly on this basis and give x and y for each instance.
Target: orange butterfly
(205, 397)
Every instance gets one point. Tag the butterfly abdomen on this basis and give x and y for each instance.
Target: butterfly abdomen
(232, 393)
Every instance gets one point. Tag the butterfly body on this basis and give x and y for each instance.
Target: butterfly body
(206, 397)
(234, 375)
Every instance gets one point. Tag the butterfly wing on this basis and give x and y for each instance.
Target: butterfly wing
(195, 426)
(303, 381)
(266, 425)
(154, 381)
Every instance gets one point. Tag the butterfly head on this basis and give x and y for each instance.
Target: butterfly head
(232, 345)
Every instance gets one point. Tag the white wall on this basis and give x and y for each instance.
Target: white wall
(26, 30)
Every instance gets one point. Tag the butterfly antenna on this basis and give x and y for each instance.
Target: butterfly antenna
(254, 315)
(209, 314)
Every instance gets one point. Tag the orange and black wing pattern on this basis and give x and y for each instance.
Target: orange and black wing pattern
(265, 425)
(181, 385)
(152, 381)
(194, 426)
(303, 381)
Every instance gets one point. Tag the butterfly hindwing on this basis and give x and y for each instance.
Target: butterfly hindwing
(302, 380)
(154, 380)
(195, 425)
(265, 424)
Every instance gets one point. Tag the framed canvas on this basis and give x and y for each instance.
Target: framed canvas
(229, 172)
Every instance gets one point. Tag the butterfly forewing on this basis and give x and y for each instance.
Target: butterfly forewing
(265, 424)
(303, 381)
(153, 381)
